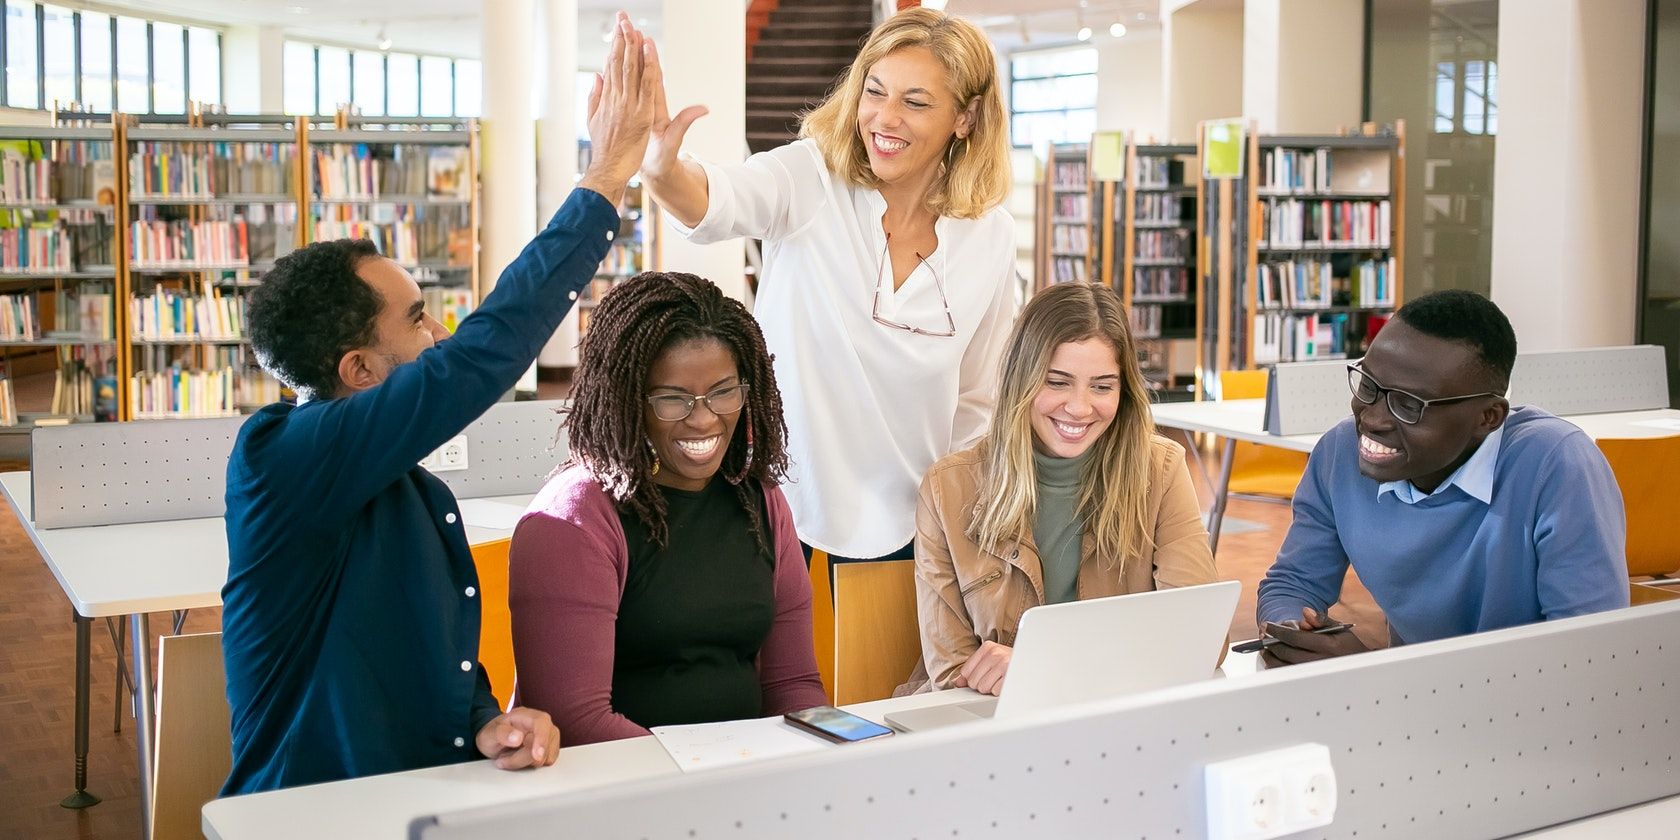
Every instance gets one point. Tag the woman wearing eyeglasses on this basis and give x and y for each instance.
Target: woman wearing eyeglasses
(886, 292)
(657, 578)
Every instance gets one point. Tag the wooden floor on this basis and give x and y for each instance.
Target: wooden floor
(37, 682)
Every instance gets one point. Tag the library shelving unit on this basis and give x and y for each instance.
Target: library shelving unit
(625, 259)
(1064, 234)
(1156, 221)
(1303, 253)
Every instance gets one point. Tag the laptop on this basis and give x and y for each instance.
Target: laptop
(1101, 648)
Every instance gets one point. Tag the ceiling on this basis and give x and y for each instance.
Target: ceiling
(1028, 24)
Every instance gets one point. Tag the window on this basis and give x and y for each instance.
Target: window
(320, 78)
(437, 87)
(332, 79)
(22, 65)
(402, 81)
(58, 56)
(204, 64)
(133, 74)
(1052, 96)
(48, 63)
(169, 69)
(297, 78)
(369, 94)
(469, 88)
(96, 61)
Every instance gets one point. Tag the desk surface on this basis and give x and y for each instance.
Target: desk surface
(1242, 420)
(114, 570)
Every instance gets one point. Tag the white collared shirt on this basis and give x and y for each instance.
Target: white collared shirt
(1474, 477)
(868, 407)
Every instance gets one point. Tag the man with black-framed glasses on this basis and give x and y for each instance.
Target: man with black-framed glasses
(1459, 512)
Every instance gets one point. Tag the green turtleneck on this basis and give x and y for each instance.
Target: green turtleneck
(1056, 529)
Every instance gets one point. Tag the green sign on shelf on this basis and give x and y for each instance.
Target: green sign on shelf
(1223, 148)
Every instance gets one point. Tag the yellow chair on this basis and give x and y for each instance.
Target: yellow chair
(1257, 470)
(877, 638)
(495, 631)
(822, 620)
(1645, 470)
(194, 750)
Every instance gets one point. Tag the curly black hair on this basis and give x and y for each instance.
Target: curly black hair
(607, 425)
(310, 310)
(1470, 319)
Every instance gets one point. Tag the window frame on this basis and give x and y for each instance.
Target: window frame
(79, 55)
(1065, 112)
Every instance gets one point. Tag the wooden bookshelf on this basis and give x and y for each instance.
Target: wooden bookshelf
(1156, 269)
(1065, 245)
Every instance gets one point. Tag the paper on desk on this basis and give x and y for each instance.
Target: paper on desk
(483, 513)
(703, 746)
(1659, 423)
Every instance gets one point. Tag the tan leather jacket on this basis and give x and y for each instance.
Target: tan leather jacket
(967, 593)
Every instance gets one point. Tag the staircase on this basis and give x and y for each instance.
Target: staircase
(794, 59)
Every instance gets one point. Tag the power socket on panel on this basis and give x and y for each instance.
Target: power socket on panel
(448, 457)
(1271, 794)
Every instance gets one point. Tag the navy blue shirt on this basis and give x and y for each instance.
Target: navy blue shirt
(350, 616)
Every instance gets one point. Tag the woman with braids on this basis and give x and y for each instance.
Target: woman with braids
(1070, 495)
(887, 286)
(657, 578)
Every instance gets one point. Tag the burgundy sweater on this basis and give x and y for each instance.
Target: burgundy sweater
(566, 573)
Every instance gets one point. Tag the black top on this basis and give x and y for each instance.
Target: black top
(695, 614)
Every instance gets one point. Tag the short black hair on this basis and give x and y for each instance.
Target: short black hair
(1467, 318)
(310, 310)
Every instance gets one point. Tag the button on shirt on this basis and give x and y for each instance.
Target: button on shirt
(349, 646)
(869, 407)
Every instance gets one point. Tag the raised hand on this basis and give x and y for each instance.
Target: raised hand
(666, 134)
(621, 110)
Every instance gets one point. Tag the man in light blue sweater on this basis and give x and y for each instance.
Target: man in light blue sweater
(1459, 512)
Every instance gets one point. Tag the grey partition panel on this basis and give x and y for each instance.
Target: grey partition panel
(1592, 381)
(510, 450)
(115, 473)
(1308, 397)
(1479, 737)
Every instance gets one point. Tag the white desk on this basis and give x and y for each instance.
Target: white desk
(1242, 420)
(135, 569)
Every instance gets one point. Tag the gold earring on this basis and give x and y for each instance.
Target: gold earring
(655, 454)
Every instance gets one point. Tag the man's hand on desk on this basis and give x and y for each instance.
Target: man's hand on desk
(985, 670)
(1297, 644)
(520, 738)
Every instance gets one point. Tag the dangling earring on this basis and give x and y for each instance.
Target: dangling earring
(951, 151)
(655, 454)
(746, 465)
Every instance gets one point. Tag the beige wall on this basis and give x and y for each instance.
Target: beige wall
(1129, 85)
(1202, 54)
(1566, 174)
(1303, 63)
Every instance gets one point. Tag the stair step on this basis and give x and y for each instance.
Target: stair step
(804, 31)
(843, 50)
(811, 86)
(830, 16)
(796, 65)
(863, 5)
(779, 102)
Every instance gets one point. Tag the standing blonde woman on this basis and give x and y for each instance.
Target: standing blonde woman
(1071, 494)
(886, 292)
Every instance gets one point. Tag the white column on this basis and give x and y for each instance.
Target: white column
(251, 69)
(557, 130)
(1566, 170)
(1303, 64)
(1202, 55)
(704, 56)
(508, 129)
(1129, 84)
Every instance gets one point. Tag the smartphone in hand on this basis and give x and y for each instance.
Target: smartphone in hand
(835, 725)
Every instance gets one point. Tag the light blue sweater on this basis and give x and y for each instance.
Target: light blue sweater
(1551, 545)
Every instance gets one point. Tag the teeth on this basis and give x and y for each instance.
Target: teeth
(1069, 429)
(1371, 447)
(699, 448)
(886, 145)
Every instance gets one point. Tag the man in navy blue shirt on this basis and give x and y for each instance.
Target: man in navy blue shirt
(351, 613)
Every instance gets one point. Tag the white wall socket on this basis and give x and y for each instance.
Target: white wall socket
(450, 456)
(1271, 794)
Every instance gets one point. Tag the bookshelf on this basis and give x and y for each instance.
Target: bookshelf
(627, 257)
(1304, 253)
(1064, 234)
(1155, 216)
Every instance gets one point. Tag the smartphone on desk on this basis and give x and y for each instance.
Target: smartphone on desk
(835, 725)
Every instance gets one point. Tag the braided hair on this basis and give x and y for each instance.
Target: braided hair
(607, 425)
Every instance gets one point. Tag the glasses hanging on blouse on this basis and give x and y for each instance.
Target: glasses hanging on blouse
(880, 274)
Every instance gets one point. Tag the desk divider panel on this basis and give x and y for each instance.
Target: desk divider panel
(158, 470)
(1478, 737)
(1304, 398)
(1592, 381)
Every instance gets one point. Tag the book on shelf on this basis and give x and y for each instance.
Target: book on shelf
(8, 403)
(38, 248)
(1323, 223)
(176, 170)
(1070, 238)
(25, 173)
(168, 314)
(157, 243)
(18, 321)
(1068, 269)
(1072, 209)
(1160, 282)
(1158, 208)
(1158, 173)
(446, 173)
(1069, 174)
(412, 171)
(1146, 321)
(1295, 170)
(178, 392)
(1308, 336)
(1162, 245)
(450, 306)
(1324, 283)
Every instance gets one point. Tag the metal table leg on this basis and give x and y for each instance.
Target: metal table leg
(1216, 516)
(141, 632)
(81, 798)
(119, 642)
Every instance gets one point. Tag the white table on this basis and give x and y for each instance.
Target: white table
(132, 570)
(1242, 420)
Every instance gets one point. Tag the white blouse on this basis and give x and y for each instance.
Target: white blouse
(868, 407)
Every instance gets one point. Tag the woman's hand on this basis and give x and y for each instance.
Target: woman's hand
(666, 138)
(985, 670)
(621, 110)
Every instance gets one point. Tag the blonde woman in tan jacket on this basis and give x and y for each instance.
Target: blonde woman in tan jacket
(1070, 494)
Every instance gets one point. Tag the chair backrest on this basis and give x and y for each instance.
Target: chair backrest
(1645, 470)
(1242, 384)
(495, 630)
(194, 747)
(877, 640)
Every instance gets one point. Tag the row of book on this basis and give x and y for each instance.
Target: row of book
(206, 170)
(83, 170)
(184, 393)
(1316, 284)
(1160, 285)
(449, 306)
(1068, 174)
(1296, 223)
(1162, 244)
(169, 314)
(1065, 238)
(1295, 170)
(360, 171)
(25, 176)
(1072, 208)
(77, 390)
(1158, 173)
(1068, 270)
(1300, 337)
(1146, 321)
(1158, 207)
(40, 248)
(185, 244)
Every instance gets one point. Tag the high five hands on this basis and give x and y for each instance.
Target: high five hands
(628, 94)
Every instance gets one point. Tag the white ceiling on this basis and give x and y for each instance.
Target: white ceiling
(1029, 24)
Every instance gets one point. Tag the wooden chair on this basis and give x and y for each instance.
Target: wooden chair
(495, 632)
(877, 638)
(1645, 470)
(822, 620)
(194, 750)
(1262, 471)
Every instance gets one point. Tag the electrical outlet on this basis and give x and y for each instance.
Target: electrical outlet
(1271, 794)
(450, 456)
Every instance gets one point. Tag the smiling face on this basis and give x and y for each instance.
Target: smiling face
(690, 450)
(1078, 400)
(402, 330)
(1427, 452)
(908, 115)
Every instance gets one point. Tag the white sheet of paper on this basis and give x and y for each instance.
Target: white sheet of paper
(483, 513)
(1659, 423)
(703, 746)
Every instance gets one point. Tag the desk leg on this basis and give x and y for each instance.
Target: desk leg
(1216, 516)
(81, 798)
(119, 635)
(141, 632)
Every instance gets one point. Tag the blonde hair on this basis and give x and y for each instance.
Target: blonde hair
(976, 177)
(1114, 487)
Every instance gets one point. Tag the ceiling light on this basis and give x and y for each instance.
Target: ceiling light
(384, 42)
(1117, 29)
(1084, 33)
(1079, 20)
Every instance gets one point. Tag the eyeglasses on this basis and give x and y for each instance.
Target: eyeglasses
(674, 407)
(1406, 407)
(880, 275)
